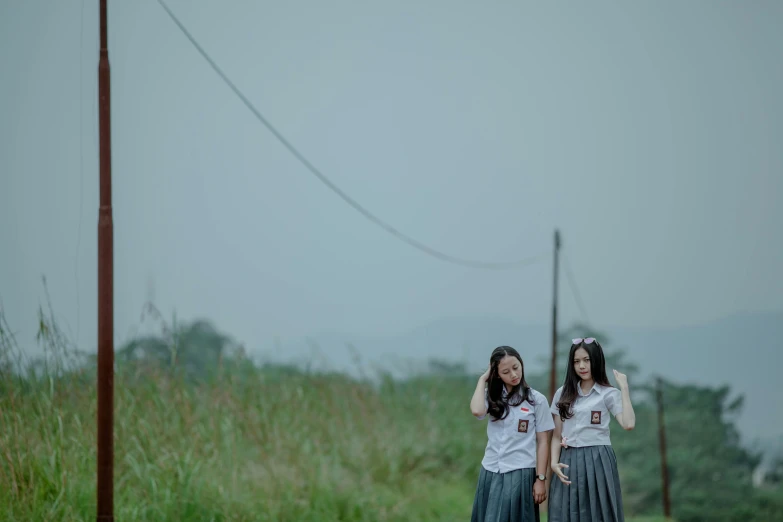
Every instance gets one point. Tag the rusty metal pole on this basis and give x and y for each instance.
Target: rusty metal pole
(553, 370)
(105, 483)
(667, 508)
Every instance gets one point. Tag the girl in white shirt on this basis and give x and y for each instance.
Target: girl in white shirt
(511, 482)
(586, 485)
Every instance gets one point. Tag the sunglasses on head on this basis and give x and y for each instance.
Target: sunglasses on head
(579, 340)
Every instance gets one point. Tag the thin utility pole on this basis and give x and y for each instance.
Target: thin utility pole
(553, 370)
(667, 508)
(105, 482)
(553, 373)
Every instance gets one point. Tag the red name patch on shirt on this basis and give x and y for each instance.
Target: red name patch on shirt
(525, 410)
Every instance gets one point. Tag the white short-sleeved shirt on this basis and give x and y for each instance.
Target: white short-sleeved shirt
(511, 442)
(592, 415)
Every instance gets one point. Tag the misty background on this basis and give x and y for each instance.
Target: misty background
(649, 135)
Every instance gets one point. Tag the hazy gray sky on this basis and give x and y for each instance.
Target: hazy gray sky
(650, 133)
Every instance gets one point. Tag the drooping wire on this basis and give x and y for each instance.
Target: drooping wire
(503, 265)
(575, 289)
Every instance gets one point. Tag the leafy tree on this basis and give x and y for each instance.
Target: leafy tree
(197, 350)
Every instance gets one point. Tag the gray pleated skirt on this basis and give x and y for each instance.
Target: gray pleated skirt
(594, 494)
(506, 497)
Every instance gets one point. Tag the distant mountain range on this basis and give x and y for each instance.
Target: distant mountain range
(744, 351)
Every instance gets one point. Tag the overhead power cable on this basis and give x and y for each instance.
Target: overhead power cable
(503, 265)
(575, 290)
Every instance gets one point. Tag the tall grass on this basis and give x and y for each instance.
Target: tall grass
(251, 446)
(306, 447)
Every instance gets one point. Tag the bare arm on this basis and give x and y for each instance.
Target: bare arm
(627, 417)
(542, 452)
(555, 444)
(557, 467)
(478, 406)
(542, 457)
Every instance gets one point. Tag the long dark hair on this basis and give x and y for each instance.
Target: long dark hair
(572, 379)
(499, 405)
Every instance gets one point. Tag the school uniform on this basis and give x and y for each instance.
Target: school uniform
(508, 470)
(594, 493)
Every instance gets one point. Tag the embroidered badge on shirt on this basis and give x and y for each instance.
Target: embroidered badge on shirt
(524, 409)
(595, 417)
(522, 427)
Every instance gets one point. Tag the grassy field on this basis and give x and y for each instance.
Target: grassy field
(307, 448)
(266, 446)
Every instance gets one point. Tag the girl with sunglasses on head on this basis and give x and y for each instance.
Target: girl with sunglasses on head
(586, 485)
(512, 479)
